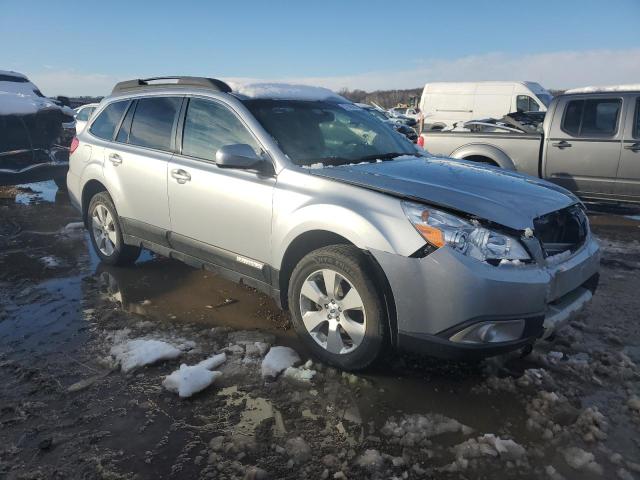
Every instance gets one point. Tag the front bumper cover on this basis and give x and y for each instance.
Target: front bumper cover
(444, 292)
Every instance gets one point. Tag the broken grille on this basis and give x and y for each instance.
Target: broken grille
(562, 231)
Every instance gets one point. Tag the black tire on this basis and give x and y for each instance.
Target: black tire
(351, 264)
(121, 253)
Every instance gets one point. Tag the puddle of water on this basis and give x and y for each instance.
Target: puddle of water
(256, 410)
(167, 290)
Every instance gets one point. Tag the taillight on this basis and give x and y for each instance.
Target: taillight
(74, 145)
(421, 141)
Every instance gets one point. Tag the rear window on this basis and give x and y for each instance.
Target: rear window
(105, 124)
(153, 122)
(592, 118)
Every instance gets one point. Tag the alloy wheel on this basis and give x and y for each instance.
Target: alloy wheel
(104, 230)
(332, 311)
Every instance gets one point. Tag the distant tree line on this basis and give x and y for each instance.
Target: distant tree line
(384, 98)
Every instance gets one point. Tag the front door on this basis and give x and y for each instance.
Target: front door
(219, 215)
(583, 146)
(628, 185)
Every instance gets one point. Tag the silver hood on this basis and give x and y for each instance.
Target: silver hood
(500, 196)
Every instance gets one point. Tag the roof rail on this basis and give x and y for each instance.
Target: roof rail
(203, 82)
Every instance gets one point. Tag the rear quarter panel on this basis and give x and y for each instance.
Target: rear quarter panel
(513, 151)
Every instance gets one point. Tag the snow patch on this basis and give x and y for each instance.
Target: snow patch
(277, 360)
(416, 429)
(579, 459)
(630, 87)
(188, 380)
(299, 374)
(370, 459)
(138, 353)
(284, 91)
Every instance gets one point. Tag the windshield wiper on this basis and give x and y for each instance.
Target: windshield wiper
(385, 156)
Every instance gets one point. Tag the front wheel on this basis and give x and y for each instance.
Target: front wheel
(106, 233)
(336, 307)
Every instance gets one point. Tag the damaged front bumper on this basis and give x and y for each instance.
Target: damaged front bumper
(446, 298)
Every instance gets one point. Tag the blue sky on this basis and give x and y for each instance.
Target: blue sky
(82, 47)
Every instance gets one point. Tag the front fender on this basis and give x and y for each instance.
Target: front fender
(491, 152)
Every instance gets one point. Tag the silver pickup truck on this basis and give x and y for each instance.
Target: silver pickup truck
(589, 143)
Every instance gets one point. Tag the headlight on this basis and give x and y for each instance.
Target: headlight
(441, 228)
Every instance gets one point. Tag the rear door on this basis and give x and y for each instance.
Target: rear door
(628, 185)
(584, 143)
(136, 164)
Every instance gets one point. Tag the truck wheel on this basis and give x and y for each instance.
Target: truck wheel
(106, 233)
(336, 308)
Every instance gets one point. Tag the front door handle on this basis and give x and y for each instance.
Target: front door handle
(562, 144)
(181, 176)
(115, 159)
(634, 147)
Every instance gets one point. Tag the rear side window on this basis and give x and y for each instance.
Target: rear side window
(209, 126)
(153, 122)
(106, 123)
(592, 118)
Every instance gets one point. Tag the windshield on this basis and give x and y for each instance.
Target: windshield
(545, 98)
(311, 132)
(378, 114)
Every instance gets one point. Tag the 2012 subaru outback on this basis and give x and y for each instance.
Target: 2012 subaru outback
(302, 194)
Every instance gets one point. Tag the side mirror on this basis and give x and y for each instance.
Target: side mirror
(238, 155)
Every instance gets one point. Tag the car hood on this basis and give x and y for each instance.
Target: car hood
(500, 196)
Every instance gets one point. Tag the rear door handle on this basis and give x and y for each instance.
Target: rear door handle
(115, 159)
(634, 147)
(562, 144)
(182, 176)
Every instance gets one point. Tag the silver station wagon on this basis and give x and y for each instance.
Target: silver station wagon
(365, 239)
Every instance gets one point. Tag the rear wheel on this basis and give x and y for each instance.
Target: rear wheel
(106, 233)
(336, 307)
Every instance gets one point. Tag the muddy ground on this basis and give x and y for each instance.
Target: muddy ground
(569, 410)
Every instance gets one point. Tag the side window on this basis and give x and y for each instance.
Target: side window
(125, 128)
(600, 117)
(525, 103)
(153, 122)
(592, 118)
(106, 122)
(209, 126)
(572, 117)
(636, 121)
(83, 115)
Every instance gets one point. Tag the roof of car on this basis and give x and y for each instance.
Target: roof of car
(272, 91)
(605, 89)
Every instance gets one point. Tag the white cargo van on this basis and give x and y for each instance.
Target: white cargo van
(445, 103)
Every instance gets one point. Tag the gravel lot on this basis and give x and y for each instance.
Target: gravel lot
(571, 409)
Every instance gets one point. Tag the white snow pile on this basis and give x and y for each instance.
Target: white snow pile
(190, 379)
(413, 430)
(487, 445)
(630, 87)
(579, 459)
(302, 374)
(277, 360)
(370, 460)
(20, 98)
(140, 352)
(284, 91)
